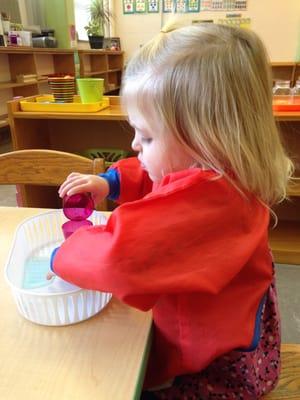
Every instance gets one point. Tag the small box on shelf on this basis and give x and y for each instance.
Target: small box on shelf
(111, 86)
(26, 78)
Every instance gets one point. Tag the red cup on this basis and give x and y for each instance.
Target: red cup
(78, 207)
(70, 227)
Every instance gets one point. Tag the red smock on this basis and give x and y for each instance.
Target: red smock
(193, 249)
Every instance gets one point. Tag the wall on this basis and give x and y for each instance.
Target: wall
(32, 13)
(277, 23)
(59, 15)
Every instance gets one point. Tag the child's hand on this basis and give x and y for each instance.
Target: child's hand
(79, 183)
(50, 275)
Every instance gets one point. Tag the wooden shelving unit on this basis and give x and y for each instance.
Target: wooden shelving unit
(72, 132)
(285, 237)
(294, 189)
(3, 120)
(285, 242)
(286, 71)
(28, 60)
(102, 64)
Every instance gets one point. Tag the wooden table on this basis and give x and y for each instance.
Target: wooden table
(101, 358)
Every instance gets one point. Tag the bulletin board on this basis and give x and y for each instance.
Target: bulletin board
(154, 6)
(281, 38)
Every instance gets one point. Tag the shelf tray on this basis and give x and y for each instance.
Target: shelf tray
(46, 103)
(286, 103)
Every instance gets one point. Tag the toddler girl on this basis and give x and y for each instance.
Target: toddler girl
(190, 238)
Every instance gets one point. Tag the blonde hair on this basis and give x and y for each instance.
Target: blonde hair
(210, 86)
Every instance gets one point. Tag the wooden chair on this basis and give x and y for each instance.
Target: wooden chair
(44, 168)
(288, 387)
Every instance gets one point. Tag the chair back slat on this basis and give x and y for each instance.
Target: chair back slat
(45, 167)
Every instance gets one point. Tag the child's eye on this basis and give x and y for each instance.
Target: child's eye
(146, 140)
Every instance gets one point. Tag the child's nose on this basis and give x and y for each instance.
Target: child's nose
(135, 144)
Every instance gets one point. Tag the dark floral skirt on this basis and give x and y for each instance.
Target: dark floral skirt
(237, 375)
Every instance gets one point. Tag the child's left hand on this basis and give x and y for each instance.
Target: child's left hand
(50, 275)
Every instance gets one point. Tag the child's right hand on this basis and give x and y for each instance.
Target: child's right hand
(79, 183)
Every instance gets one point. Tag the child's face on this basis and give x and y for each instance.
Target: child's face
(158, 151)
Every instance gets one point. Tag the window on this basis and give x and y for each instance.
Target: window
(82, 17)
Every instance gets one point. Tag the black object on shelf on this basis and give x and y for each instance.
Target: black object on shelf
(96, 42)
(47, 32)
(44, 41)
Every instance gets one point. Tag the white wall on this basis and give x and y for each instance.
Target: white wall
(277, 22)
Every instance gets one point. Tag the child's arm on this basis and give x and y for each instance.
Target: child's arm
(79, 183)
(193, 238)
(134, 181)
(125, 181)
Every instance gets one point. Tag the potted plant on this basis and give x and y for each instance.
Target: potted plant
(99, 15)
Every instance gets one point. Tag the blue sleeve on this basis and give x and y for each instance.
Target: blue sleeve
(113, 179)
(52, 258)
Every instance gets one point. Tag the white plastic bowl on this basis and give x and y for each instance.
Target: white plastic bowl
(57, 302)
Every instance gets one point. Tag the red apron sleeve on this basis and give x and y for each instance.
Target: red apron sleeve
(134, 181)
(195, 236)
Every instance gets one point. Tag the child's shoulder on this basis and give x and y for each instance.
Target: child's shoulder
(206, 187)
(194, 179)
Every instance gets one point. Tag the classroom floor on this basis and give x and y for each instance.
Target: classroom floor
(288, 276)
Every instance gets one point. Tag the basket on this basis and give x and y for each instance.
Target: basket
(109, 155)
(55, 302)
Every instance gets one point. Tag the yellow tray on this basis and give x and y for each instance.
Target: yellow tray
(45, 103)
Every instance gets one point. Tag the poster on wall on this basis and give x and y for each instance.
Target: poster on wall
(140, 6)
(128, 6)
(180, 6)
(153, 6)
(223, 5)
(193, 5)
(205, 5)
(168, 6)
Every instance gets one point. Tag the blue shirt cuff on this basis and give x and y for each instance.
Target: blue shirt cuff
(113, 178)
(52, 258)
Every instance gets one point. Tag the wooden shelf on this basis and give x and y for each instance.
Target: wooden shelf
(28, 60)
(107, 64)
(30, 50)
(294, 189)
(112, 113)
(286, 116)
(285, 242)
(115, 70)
(284, 70)
(283, 64)
(112, 90)
(3, 121)
(94, 73)
(99, 52)
(8, 85)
